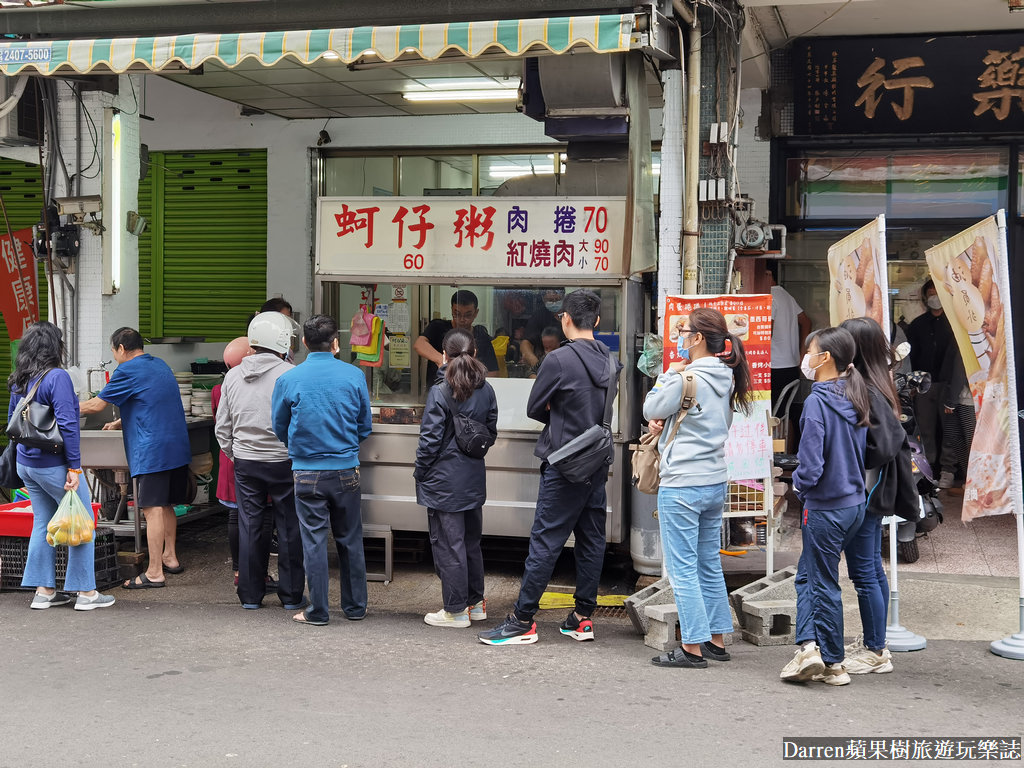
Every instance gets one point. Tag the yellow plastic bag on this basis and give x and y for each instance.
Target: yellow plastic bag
(72, 524)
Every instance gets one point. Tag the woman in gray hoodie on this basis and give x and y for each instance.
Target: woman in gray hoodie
(691, 499)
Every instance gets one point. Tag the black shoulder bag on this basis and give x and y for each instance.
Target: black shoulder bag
(581, 457)
(472, 437)
(34, 425)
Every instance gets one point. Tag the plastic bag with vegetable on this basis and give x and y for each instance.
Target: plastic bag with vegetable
(649, 362)
(72, 524)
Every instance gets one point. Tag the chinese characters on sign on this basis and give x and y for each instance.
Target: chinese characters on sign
(748, 451)
(935, 84)
(543, 237)
(18, 300)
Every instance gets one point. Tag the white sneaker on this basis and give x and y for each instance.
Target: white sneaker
(806, 663)
(833, 674)
(946, 480)
(478, 612)
(85, 603)
(41, 602)
(443, 618)
(865, 661)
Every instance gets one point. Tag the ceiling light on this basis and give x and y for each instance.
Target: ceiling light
(332, 55)
(1016, 5)
(483, 94)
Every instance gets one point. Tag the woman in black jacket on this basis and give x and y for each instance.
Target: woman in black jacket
(453, 485)
(886, 438)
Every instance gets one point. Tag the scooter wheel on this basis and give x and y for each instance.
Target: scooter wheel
(907, 551)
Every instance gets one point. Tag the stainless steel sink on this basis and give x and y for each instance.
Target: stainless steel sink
(103, 450)
(97, 420)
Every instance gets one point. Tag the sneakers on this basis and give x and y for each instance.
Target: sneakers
(577, 629)
(861, 660)
(85, 603)
(444, 618)
(41, 602)
(510, 632)
(805, 664)
(833, 674)
(478, 612)
(946, 480)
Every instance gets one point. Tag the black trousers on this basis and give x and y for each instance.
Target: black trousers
(255, 482)
(458, 562)
(565, 508)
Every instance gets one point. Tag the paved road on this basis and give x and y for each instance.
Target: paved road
(184, 677)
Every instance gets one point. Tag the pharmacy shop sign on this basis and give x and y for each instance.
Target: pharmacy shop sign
(459, 237)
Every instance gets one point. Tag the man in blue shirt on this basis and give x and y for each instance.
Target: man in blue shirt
(321, 412)
(155, 443)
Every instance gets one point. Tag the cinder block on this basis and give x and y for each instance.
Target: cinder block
(780, 585)
(659, 593)
(769, 622)
(663, 627)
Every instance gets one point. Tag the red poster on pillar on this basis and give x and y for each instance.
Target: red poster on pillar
(18, 300)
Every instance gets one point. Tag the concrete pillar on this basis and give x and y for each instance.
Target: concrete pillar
(671, 194)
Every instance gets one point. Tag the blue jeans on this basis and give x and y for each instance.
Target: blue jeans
(328, 501)
(819, 600)
(690, 520)
(864, 564)
(45, 487)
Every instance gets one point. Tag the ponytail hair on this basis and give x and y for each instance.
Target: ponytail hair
(464, 373)
(710, 323)
(874, 358)
(840, 343)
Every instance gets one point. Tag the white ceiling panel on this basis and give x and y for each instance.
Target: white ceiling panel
(354, 100)
(320, 88)
(381, 111)
(378, 86)
(244, 93)
(307, 112)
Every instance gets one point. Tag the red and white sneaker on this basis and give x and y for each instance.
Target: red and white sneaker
(577, 629)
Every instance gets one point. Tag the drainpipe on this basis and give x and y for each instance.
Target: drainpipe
(691, 154)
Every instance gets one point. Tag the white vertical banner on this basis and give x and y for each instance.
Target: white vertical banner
(859, 278)
(971, 275)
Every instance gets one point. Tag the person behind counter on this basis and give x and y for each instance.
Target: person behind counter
(568, 397)
(550, 339)
(465, 308)
(156, 444)
(323, 436)
(453, 485)
(531, 347)
(48, 476)
(263, 471)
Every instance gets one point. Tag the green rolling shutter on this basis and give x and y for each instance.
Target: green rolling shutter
(23, 197)
(203, 258)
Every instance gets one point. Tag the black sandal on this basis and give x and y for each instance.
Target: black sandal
(143, 582)
(679, 658)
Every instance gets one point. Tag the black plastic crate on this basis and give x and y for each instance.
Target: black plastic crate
(14, 552)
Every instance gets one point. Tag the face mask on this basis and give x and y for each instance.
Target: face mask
(553, 306)
(934, 302)
(807, 369)
(683, 352)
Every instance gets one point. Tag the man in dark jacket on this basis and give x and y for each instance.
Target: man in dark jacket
(931, 338)
(569, 398)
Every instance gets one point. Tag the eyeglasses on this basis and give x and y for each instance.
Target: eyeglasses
(464, 315)
(685, 330)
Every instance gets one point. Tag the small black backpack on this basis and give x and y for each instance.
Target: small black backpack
(472, 437)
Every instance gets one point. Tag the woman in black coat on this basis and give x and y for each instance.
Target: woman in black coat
(453, 485)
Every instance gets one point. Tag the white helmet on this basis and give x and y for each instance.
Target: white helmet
(272, 330)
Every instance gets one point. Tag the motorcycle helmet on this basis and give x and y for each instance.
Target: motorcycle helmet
(273, 331)
(235, 350)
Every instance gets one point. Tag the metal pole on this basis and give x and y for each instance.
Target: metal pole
(1012, 647)
(898, 638)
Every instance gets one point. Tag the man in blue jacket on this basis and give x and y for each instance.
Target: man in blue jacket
(568, 397)
(321, 412)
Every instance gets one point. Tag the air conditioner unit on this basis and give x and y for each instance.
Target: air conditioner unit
(22, 126)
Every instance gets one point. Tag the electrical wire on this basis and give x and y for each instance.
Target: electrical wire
(93, 137)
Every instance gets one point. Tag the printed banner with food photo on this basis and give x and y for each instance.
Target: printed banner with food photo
(970, 275)
(748, 451)
(858, 279)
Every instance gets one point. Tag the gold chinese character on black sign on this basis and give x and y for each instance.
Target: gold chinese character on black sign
(1002, 82)
(873, 81)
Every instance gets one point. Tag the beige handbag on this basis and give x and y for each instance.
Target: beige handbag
(646, 459)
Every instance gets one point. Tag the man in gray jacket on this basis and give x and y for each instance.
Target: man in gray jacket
(262, 467)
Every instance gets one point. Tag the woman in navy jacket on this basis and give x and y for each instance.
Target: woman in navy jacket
(48, 476)
(451, 484)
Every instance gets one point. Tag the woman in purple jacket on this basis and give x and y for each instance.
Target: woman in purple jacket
(48, 476)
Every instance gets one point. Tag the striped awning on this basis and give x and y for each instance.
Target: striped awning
(426, 42)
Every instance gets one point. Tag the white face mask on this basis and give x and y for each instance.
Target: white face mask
(934, 302)
(807, 369)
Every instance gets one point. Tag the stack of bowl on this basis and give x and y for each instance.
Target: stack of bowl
(184, 379)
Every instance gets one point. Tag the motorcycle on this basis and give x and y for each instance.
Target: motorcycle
(908, 531)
